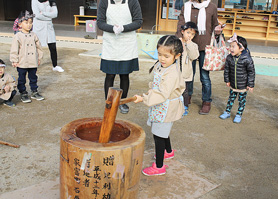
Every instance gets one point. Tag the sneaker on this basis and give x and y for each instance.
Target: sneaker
(153, 170)
(9, 104)
(88, 37)
(37, 96)
(124, 108)
(24, 97)
(168, 156)
(185, 111)
(58, 68)
(237, 118)
(225, 115)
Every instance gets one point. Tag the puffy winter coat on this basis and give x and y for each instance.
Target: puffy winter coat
(240, 71)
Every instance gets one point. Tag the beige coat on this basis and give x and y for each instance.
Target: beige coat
(190, 53)
(26, 50)
(171, 86)
(6, 79)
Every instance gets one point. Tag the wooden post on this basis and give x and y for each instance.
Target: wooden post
(111, 109)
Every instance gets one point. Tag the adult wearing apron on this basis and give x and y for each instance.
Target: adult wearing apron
(118, 19)
(45, 11)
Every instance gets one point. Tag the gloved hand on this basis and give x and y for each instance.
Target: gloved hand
(118, 29)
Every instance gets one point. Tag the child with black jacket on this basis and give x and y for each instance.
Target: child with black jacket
(239, 75)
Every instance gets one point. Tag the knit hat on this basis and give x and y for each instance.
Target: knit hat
(25, 15)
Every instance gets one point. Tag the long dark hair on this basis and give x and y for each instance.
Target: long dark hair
(175, 45)
(191, 25)
(2, 62)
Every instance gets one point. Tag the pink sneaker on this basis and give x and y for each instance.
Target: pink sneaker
(153, 170)
(168, 156)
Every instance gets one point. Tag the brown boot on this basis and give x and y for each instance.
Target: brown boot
(205, 108)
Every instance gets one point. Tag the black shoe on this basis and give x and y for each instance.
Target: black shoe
(124, 108)
(24, 97)
(9, 104)
(37, 96)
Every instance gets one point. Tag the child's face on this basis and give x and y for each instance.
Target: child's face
(235, 49)
(188, 34)
(26, 25)
(165, 57)
(2, 71)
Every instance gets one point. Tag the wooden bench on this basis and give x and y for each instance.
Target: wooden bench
(77, 20)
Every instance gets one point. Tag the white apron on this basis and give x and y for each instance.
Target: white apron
(122, 47)
(157, 113)
(43, 27)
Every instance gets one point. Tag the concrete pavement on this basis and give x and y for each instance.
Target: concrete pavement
(216, 159)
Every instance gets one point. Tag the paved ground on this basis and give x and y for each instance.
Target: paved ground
(242, 158)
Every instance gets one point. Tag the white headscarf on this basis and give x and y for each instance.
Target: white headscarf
(201, 22)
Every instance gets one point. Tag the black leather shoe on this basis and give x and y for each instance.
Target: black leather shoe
(124, 108)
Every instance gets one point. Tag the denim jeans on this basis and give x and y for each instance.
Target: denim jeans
(204, 78)
(33, 78)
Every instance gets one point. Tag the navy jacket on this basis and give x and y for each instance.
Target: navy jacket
(240, 73)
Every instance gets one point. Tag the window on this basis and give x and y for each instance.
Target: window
(174, 8)
(235, 4)
(91, 4)
(264, 5)
(260, 5)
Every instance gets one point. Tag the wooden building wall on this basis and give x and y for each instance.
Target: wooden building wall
(2, 14)
(10, 9)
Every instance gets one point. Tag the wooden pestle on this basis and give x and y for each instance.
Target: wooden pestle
(9, 144)
(112, 104)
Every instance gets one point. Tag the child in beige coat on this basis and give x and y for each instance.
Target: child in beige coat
(165, 100)
(7, 86)
(26, 55)
(190, 53)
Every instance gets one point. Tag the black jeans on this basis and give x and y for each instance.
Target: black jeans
(53, 53)
(33, 78)
(185, 95)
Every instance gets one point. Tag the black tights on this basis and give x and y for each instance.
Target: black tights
(160, 145)
(53, 53)
(124, 83)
